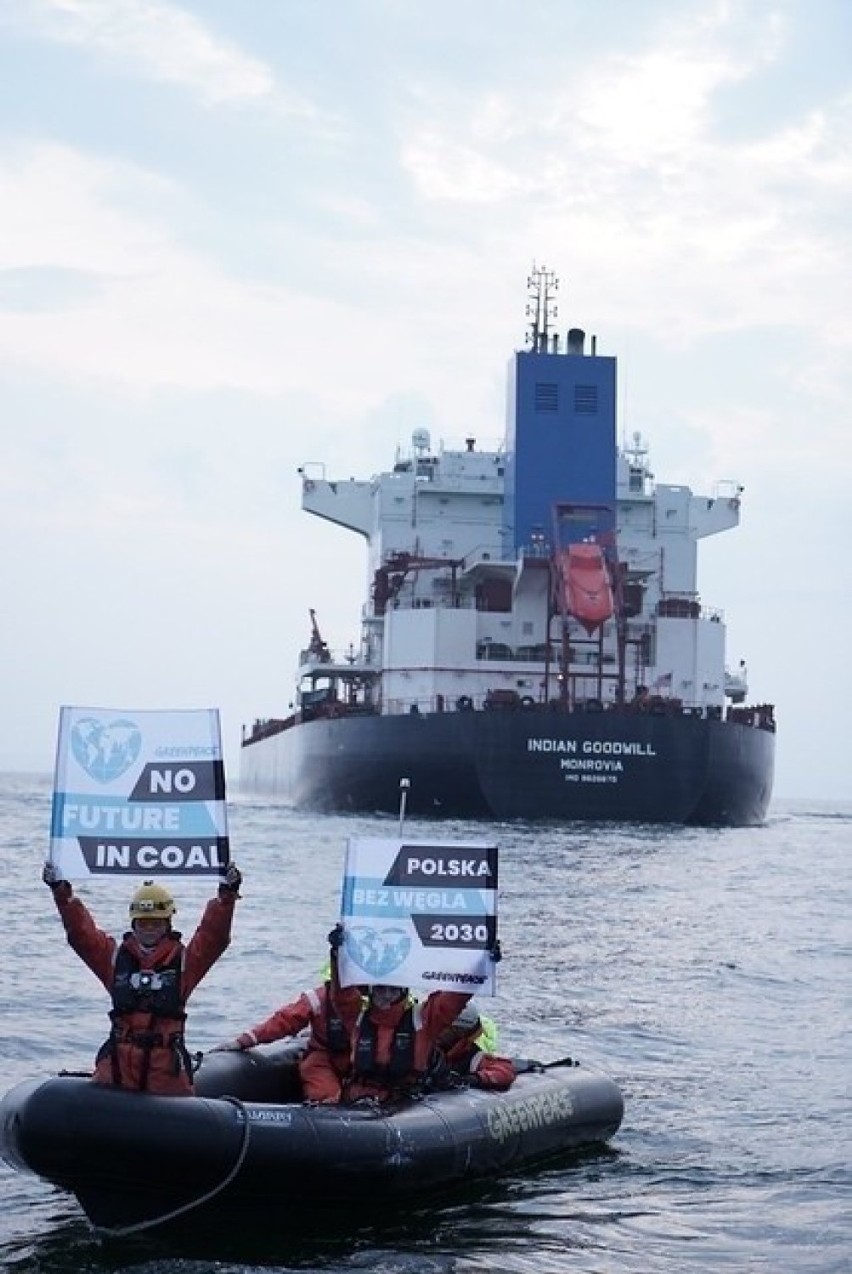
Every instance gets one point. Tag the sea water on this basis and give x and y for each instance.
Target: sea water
(707, 971)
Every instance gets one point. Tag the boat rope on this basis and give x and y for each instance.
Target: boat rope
(121, 1231)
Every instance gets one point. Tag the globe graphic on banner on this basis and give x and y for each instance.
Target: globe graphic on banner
(377, 952)
(105, 749)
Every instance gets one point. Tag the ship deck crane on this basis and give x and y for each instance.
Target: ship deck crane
(317, 647)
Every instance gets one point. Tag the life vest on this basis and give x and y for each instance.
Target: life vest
(439, 1074)
(449, 1068)
(459, 1058)
(336, 1036)
(455, 1064)
(401, 1063)
(155, 991)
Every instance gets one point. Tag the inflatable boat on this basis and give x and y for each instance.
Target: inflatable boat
(246, 1141)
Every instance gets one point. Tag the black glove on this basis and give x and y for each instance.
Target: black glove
(233, 880)
(335, 937)
(51, 875)
(496, 951)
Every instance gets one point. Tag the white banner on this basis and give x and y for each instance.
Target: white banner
(139, 793)
(419, 914)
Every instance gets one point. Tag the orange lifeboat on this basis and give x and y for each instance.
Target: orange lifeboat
(585, 586)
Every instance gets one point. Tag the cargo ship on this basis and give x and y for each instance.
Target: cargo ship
(533, 644)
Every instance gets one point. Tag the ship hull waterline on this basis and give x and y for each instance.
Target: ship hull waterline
(514, 765)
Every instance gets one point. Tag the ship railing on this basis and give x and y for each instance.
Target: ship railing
(490, 649)
(334, 663)
(687, 606)
(761, 717)
(498, 652)
(265, 728)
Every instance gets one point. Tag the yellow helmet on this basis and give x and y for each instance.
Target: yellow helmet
(152, 902)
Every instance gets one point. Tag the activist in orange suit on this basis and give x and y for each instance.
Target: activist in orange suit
(394, 1040)
(324, 1065)
(150, 974)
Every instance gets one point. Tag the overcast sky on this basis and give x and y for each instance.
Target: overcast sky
(239, 235)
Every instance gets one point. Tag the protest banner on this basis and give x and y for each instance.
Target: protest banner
(139, 793)
(419, 914)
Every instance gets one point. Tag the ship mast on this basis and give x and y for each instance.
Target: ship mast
(541, 307)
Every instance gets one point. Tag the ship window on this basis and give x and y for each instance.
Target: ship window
(547, 397)
(586, 400)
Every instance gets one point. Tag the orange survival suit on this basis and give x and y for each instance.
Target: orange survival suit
(325, 1063)
(149, 988)
(393, 1048)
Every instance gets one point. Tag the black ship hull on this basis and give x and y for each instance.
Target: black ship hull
(607, 765)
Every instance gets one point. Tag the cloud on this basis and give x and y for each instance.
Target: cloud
(718, 231)
(444, 168)
(34, 288)
(165, 313)
(62, 208)
(158, 41)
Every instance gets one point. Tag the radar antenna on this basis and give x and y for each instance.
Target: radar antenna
(541, 308)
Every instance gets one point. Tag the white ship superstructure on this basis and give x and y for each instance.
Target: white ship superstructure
(450, 617)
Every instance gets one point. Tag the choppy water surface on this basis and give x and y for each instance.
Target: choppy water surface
(707, 971)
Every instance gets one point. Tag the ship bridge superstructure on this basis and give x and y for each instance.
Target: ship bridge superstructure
(467, 597)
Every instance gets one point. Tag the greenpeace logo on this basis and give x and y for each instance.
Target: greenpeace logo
(193, 750)
(535, 1112)
(461, 979)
